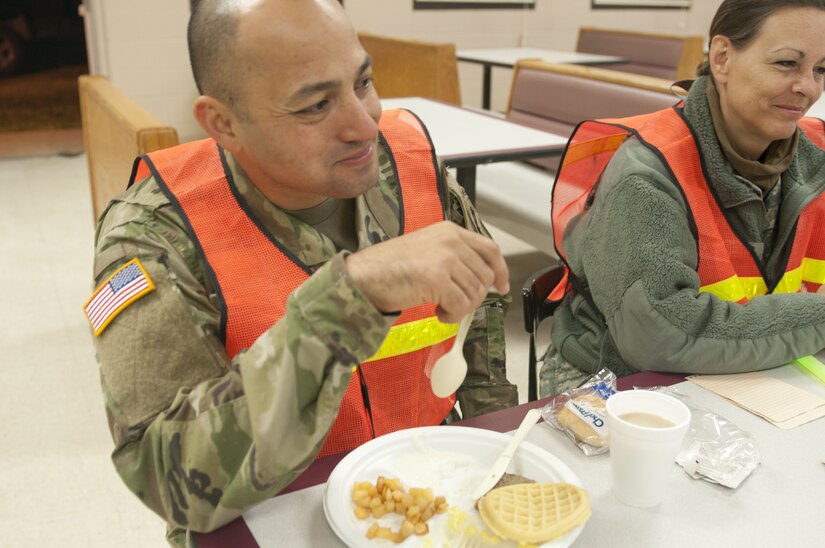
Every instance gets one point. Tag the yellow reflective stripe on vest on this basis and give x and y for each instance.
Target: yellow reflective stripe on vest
(813, 271)
(412, 336)
(735, 288)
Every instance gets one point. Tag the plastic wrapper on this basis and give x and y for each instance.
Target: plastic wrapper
(717, 450)
(579, 413)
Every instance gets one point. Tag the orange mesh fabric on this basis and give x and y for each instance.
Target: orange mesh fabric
(585, 157)
(400, 397)
(142, 171)
(413, 155)
(810, 222)
(399, 389)
(255, 276)
(722, 255)
(231, 242)
(427, 409)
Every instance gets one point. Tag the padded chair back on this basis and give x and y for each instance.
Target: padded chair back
(555, 97)
(537, 308)
(660, 55)
(115, 131)
(412, 68)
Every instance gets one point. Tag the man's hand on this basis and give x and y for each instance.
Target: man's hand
(442, 264)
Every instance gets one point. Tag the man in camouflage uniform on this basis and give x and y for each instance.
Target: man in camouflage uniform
(199, 437)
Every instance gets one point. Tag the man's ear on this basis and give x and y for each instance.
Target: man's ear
(217, 120)
(719, 55)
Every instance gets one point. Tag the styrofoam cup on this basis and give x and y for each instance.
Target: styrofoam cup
(642, 457)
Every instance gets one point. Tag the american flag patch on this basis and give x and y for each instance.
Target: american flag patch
(124, 287)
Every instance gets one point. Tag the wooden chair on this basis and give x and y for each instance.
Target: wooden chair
(411, 68)
(666, 56)
(115, 131)
(537, 308)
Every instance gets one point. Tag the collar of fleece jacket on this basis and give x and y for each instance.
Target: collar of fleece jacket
(805, 176)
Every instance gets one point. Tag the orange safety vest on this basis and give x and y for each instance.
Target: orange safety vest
(254, 274)
(728, 267)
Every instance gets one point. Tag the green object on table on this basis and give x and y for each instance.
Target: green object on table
(811, 365)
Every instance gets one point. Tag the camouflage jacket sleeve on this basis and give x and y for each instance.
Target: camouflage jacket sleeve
(486, 387)
(200, 438)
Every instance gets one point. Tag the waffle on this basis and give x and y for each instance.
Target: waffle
(534, 512)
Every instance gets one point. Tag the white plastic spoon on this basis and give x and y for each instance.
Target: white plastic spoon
(449, 371)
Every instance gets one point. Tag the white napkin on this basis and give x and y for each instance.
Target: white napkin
(295, 519)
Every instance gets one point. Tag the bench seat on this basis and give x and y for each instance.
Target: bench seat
(515, 196)
(556, 97)
(667, 56)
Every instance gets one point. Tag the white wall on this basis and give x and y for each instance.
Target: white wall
(552, 24)
(141, 46)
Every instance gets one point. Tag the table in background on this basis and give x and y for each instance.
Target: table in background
(465, 138)
(507, 58)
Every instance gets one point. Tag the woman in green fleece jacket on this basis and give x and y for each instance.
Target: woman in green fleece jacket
(634, 251)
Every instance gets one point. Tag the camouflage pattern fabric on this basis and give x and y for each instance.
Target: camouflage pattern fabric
(199, 438)
(770, 223)
(557, 375)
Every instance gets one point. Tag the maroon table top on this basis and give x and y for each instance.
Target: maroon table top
(236, 534)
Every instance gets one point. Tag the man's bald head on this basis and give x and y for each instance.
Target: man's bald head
(214, 53)
(212, 36)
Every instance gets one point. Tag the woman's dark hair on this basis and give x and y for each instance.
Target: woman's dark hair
(741, 20)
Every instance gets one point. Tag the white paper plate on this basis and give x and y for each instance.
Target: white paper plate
(451, 460)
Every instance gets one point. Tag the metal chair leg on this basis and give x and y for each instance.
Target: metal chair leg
(532, 392)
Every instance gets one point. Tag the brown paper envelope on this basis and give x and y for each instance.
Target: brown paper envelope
(778, 402)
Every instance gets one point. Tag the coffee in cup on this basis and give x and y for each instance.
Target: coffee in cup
(646, 430)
